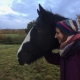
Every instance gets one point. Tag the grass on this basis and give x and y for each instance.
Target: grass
(12, 35)
(11, 70)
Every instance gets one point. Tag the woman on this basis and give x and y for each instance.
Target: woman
(69, 53)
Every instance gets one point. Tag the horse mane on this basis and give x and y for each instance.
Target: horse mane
(48, 17)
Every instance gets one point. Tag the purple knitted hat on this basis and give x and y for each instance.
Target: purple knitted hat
(68, 27)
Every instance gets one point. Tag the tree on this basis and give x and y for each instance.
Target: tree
(29, 26)
(78, 19)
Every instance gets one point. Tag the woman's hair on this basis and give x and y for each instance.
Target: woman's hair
(64, 36)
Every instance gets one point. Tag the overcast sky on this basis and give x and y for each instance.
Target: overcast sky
(16, 14)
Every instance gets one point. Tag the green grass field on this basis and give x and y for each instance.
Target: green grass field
(11, 70)
(13, 35)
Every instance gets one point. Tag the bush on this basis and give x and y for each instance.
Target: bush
(12, 40)
(8, 40)
(18, 40)
(2, 38)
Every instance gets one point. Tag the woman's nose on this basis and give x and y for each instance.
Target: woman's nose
(55, 36)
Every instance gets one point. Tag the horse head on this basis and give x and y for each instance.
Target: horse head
(40, 39)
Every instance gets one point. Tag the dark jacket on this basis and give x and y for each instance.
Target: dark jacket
(69, 62)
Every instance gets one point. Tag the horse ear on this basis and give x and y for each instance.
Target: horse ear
(38, 12)
(42, 10)
(40, 7)
(43, 14)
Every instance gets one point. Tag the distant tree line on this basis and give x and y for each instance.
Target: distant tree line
(12, 31)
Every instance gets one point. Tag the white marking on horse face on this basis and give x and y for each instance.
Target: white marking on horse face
(27, 39)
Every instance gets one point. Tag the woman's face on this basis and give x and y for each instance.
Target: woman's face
(59, 35)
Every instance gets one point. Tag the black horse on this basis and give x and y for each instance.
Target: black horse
(40, 39)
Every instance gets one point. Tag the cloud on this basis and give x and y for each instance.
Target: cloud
(18, 13)
(67, 8)
(13, 24)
